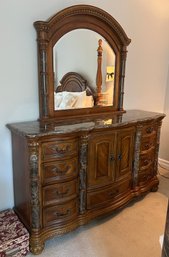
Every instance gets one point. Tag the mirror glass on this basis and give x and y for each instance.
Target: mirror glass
(76, 51)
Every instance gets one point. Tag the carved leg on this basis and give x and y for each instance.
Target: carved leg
(36, 247)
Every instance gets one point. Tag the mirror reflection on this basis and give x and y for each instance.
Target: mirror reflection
(75, 64)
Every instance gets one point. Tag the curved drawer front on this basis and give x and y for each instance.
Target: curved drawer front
(146, 175)
(59, 192)
(59, 149)
(60, 213)
(59, 170)
(147, 159)
(101, 197)
(148, 143)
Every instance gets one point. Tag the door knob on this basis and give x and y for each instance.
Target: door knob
(112, 157)
(119, 157)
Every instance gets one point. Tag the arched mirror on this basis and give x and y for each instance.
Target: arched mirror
(77, 51)
(81, 51)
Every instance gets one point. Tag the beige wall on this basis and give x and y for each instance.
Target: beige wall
(145, 22)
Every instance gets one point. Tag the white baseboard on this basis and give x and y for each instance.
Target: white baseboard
(164, 163)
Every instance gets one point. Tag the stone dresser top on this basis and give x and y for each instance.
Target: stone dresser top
(36, 129)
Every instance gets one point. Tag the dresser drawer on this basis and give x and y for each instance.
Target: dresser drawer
(102, 197)
(59, 192)
(59, 149)
(60, 213)
(146, 175)
(59, 170)
(147, 159)
(148, 143)
(149, 130)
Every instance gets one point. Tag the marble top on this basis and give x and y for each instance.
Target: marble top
(37, 129)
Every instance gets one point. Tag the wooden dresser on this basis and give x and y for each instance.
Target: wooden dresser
(66, 174)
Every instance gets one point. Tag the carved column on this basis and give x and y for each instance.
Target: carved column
(157, 148)
(137, 155)
(121, 86)
(42, 39)
(83, 171)
(36, 246)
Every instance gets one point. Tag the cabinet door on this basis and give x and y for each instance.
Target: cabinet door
(101, 159)
(125, 147)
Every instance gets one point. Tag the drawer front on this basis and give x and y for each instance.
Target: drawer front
(59, 192)
(59, 170)
(59, 149)
(148, 143)
(59, 213)
(103, 197)
(146, 160)
(149, 130)
(145, 176)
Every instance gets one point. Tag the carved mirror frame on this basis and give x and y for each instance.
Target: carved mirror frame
(50, 31)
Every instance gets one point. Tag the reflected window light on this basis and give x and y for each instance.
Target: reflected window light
(109, 73)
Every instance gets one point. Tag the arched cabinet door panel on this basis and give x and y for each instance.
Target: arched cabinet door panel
(102, 159)
(125, 148)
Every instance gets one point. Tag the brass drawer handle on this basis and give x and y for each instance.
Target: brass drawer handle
(61, 214)
(113, 193)
(62, 150)
(149, 130)
(146, 177)
(147, 146)
(61, 194)
(146, 162)
(58, 171)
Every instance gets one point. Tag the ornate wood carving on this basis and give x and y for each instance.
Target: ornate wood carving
(35, 184)
(83, 171)
(137, 155)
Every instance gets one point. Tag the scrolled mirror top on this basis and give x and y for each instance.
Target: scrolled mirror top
(51, 31)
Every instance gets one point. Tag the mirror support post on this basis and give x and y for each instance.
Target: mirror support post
(123, 64)
(42, 66)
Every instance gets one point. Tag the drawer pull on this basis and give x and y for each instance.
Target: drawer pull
(146, 162)
(147, 146)
(58, 171)
(113, 193)
(149, 130)
(61, 149)
(147, 177)
(62, 214)
(112, 157)
(61, 194)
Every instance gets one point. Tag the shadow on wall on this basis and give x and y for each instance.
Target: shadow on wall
(164, 146)
(7, 194)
